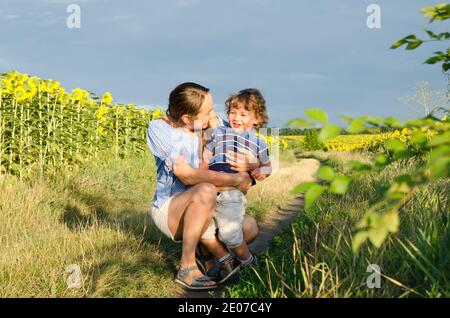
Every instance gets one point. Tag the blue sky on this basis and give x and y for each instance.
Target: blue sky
(300, 54)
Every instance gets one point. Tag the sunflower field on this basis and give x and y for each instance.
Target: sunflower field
(42, 126)
(353, 142)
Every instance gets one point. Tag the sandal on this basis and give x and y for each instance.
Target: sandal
(197, 284)
(201, 258)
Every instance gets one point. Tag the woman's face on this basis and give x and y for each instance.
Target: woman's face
(201, 121)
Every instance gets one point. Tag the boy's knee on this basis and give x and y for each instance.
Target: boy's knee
(231, 236)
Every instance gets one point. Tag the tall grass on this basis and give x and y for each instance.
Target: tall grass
(315, 259)
(96, 218)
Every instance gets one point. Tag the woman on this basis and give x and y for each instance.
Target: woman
(185, 195)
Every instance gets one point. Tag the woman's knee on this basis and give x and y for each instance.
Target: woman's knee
(250, 228)
(205, 193)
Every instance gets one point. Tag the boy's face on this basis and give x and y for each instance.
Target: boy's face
(241, 119)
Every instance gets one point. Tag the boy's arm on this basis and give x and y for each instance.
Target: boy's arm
(262, 172)
(243, 160)
(265, 169)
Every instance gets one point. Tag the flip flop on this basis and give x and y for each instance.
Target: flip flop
(197, 284)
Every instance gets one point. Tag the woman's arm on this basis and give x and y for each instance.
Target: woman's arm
(207, 155)
(190, 176)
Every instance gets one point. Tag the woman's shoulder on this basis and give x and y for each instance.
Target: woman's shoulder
(160, 126)
(160, 122)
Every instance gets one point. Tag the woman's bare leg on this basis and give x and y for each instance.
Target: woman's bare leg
(188, 217)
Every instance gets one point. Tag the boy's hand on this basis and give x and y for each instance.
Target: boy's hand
(258, 175)
(242, 161)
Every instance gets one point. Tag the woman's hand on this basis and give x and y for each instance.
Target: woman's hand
(243, 182)
(242, 161)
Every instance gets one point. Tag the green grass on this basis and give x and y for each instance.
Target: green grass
(97, 218)
(314, 257)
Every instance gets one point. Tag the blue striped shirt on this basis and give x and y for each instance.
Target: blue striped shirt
(226, 139)
(167, 143)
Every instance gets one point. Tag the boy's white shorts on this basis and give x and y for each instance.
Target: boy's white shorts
(229, 216)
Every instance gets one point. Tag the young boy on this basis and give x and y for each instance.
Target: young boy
(245, 110)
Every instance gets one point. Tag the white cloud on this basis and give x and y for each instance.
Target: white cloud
(11, 16)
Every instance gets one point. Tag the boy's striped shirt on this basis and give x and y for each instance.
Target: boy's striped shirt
(226, 139)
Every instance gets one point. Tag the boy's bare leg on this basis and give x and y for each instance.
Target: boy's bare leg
(218, 249)
(212, 249)
(241, 251)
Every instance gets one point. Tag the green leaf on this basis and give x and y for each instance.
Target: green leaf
(415, 123)
(358, 240)
(326, 173)
(419, 138)
(414, 44)
(439, 152)
(313, 194)
(340, 184)
(440, 139)
(302, 187)
(431, 34)
(347, 119)
(433, 60)
(392, 122)
(317, 114)
(446, 67)
(299, 123)
(377, 236)
(358, 166)
(329, 132)
(390, 221)
(403, 41)
(440, 168)
(394, 145)
(381, 160)
(357, 125)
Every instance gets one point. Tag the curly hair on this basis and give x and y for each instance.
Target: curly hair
(252, 100)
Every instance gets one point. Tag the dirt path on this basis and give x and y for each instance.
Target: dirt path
(279, 220)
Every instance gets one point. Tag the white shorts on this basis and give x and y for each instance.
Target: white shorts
(160, 217)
